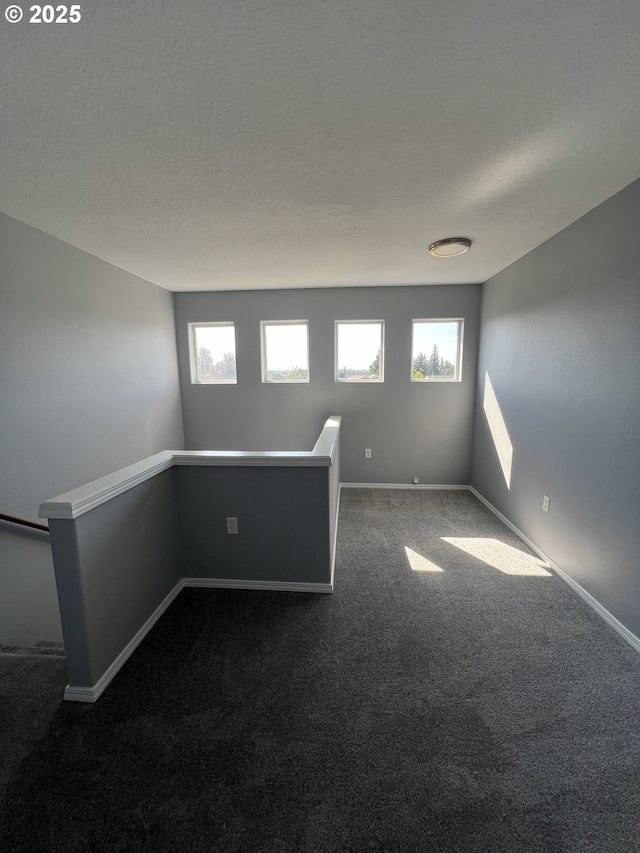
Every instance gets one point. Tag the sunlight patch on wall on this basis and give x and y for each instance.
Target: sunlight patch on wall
(419, 563)
(498, 428)
(505, 558)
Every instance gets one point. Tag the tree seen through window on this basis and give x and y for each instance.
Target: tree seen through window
(436, 350)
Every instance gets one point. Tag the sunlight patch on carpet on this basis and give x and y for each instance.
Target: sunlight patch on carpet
(505, 558)
(419, 563)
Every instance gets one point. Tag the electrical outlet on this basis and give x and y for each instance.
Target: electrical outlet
(232, 524)
(546, 500)
(415, 481)
(367, 453)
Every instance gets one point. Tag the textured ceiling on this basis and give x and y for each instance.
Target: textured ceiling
(279, 143)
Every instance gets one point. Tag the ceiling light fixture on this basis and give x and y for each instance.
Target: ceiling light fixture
(450, 247)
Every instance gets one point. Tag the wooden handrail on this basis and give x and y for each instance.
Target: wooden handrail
(24, 522)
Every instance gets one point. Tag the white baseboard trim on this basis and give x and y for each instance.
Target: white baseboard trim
(334, 541)
(74, 693)
(512, 527)
(400, 486)
(274, 586)
(625, 633)
(90, 694)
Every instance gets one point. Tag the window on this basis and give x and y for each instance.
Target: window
(285, 351)
(436, 350)
(360, 351)
(212, 353)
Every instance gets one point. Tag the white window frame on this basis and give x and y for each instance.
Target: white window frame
(263, 352)
(193, 355)
(457, 377)
(335, 352)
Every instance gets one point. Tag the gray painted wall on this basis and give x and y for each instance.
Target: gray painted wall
(560, 340)
(283, 523)
(114, 566)
(116, 563)
(334, 501)
(88, 384)
(413, 429)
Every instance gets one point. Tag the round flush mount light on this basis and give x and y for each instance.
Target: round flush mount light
(450, 247)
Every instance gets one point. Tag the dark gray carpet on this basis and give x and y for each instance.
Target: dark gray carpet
(32, 682)
(456, 710)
